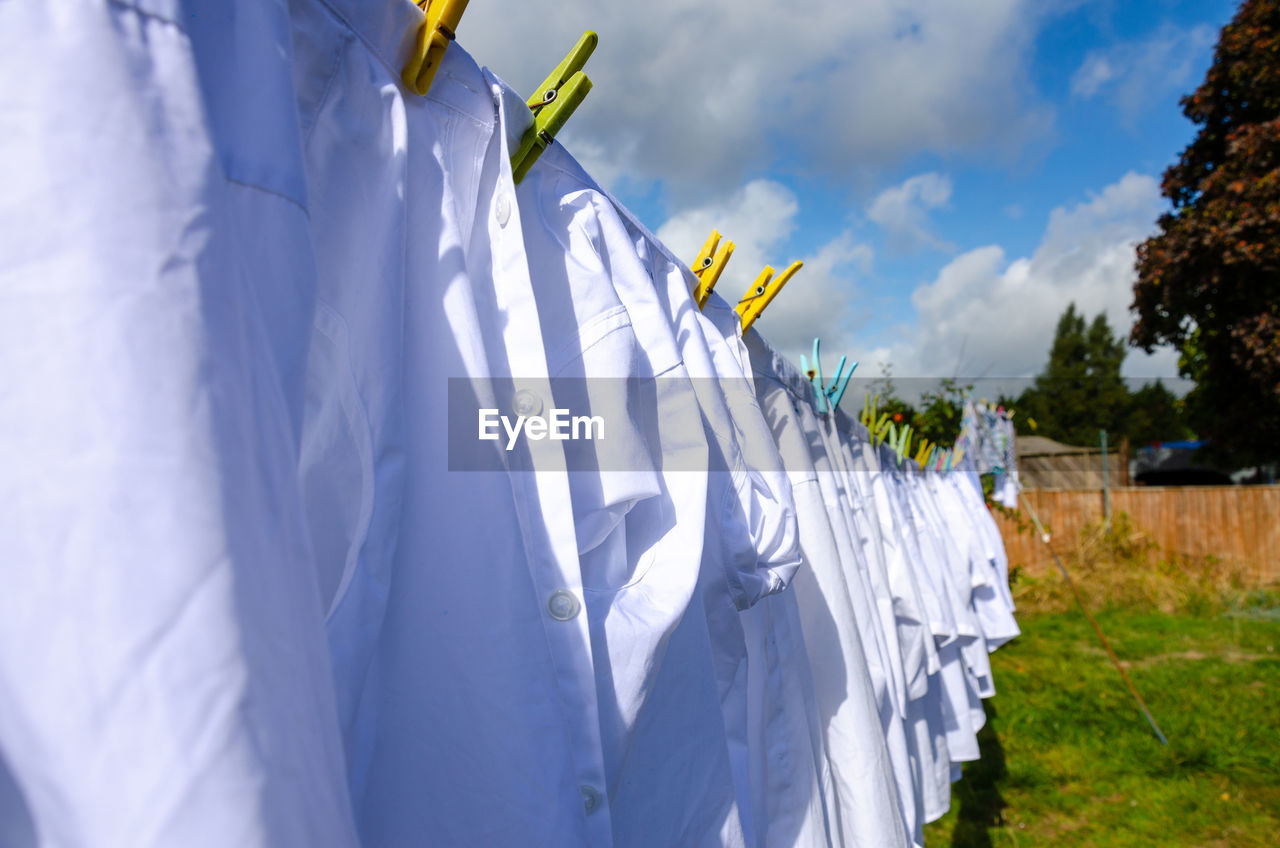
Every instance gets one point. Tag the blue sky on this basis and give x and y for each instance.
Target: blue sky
(954, 172)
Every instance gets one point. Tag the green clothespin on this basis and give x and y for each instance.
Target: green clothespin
(904, 442)
(882, 428)
(556, 99)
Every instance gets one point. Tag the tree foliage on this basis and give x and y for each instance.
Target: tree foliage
(938, 418)
(1156, 415)
(1080, 392)
(1209, 280)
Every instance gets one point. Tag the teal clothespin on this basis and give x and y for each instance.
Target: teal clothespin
(556, 99)
(819, 390)
(837, 393)
(836, 377)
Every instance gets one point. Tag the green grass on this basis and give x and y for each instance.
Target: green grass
(1068, 759)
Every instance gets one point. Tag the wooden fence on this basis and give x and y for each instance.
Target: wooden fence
(1236, 524)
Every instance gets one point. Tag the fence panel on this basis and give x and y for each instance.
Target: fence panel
(1236, 524)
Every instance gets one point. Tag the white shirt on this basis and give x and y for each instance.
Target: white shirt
(463, 655)
(994, 615)
(875, 619)
(162, 660)
(960, 707)
(655, 632)
(910, 599)
(864, 808)
(956, 553)
(969, 489)
(789, 777)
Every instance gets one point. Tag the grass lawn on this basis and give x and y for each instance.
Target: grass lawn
(1067, 758)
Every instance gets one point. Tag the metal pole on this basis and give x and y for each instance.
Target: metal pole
(1106, 483)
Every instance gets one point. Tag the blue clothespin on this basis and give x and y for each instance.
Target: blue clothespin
(836, 392)
(836, 378)
(828, 396)
(815, 378)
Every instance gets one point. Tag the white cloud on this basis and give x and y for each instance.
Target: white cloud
(760, 218)
(702, 95)
(903, 211)
(986, 314)
(1091, 76)
(1134, 75)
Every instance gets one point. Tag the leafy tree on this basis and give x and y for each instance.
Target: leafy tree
(1156, 415)
(938, 418)
(900, 412)
(1209, 281)
(1080, 391)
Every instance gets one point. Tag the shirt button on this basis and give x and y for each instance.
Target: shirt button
(562, 605)
(526, 403)
(503, 209)
(590, 799)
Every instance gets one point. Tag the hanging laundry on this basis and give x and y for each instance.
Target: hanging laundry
(987, 437)
(278, 587)
(165, 675)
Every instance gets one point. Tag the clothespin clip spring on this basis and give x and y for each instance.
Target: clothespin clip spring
(561, 93)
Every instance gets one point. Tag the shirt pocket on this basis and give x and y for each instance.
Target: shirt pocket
(615, 470)
(249, 101)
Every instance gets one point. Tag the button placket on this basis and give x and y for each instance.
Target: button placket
(554, 566)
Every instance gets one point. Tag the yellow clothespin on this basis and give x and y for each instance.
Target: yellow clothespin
(868, 417)
(555, 100)
(433, 39)
(709, 264)
(882, 427)
(762, 293)
(922, 451)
